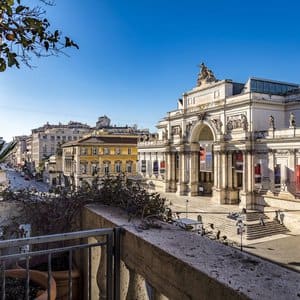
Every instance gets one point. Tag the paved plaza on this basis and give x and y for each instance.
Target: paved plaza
(282, 248)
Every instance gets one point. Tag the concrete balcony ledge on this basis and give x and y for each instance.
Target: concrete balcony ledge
(183, 265)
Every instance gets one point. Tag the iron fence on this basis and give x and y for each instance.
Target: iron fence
(110, 241)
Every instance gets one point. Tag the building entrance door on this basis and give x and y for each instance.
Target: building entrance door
(205, 168)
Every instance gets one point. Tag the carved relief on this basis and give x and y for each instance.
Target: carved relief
(218, 124)
(201, 116)
(236, 122)
(176, 130)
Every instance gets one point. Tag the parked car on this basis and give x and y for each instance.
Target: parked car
(26, 177)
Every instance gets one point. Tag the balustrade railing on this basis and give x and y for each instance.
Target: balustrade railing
(77, 244)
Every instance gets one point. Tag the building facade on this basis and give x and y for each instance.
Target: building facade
(236, 142)
(97, 155)
(20, 150)
(46, 139)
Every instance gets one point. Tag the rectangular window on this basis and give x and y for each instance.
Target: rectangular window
(155, 167)
(129, 151)
(95, 168)
(143, 168)
(118, 167)
(106, 168)
(162, 167)
(83, 168)
(95, 150)
(238, 157)
(118, 151)
(83, 151)
(106, 151)
(129, 167)
(257, 173)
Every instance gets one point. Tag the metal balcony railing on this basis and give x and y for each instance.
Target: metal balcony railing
(77, 242)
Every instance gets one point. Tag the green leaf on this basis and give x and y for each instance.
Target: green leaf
(11, 59)
(2, 65)
(74, 45)
(9, 11)
(46, 44)
(20, 8)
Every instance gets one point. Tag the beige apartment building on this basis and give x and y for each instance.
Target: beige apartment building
(19, 155)
(236, 142)
(46, 139)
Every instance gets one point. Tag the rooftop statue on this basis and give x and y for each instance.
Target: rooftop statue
(206, 75)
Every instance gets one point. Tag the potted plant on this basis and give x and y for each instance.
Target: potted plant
(51, 214)
(15, 285)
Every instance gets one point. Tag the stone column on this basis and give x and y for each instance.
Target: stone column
(232, 193)
(217, 170)
(95, 253)
(183, 179)
(246, 194)
(168, 171)
(194, 169)
(180, 174)
(172, 183)
(219, 191)
(271, 164)
(101, 274)
(291, 182)
(224, 168)
(245, 175)
(229, 170)
(124, 280)
(136, 288)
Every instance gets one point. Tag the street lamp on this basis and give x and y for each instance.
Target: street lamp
(186, 207)
(240, 229)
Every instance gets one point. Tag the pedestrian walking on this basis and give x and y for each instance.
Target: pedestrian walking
(276, 218)
(261, 220)
(281, 216)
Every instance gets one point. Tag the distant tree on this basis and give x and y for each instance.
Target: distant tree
(25, 32)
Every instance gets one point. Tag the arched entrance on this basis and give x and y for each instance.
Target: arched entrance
(202, 161)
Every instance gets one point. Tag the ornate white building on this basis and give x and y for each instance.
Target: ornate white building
(237, 142)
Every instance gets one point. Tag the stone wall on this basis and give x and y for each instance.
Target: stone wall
(181, 265)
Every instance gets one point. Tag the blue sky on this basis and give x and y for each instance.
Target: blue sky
(137, 57)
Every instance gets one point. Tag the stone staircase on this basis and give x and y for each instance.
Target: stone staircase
(255, 230)
(225, 225)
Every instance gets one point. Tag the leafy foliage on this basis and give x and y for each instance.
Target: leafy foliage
(25, 31)
(49, 214)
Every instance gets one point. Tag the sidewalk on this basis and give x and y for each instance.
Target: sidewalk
(282, 248)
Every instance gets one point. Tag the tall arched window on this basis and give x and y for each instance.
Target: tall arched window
(129, 166)
(118, 166)
(106, 167)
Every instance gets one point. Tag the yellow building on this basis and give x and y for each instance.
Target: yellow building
(99, 155)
